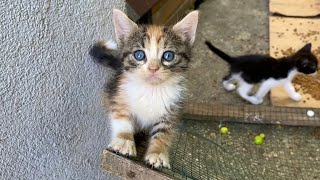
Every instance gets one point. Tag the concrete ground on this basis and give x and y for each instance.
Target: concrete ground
(238, 28)
(241, 27)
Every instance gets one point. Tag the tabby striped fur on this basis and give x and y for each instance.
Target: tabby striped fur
(148, 94)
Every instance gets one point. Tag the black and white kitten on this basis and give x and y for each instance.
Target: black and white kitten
(270, 72)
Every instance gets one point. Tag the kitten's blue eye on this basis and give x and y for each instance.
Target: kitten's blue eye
(168, 56)
(139, 55)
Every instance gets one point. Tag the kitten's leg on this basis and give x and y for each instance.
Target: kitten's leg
(292, 92)
(227, 83)
(244, 89)
(263, 90)
(157, 154)
(122, 134)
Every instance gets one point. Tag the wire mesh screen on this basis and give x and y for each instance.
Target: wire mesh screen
(200, 151)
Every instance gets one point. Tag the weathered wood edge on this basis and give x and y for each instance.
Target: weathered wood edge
(128, 169)
(252, 114)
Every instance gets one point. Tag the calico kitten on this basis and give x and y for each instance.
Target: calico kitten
(148, 90)
(270, 72)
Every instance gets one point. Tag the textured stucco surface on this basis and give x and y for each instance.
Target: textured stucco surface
(52, 125)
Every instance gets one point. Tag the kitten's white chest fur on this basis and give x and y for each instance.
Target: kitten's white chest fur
(148, 103)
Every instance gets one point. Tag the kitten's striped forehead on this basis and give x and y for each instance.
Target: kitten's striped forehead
(154, 42)
(155, 33)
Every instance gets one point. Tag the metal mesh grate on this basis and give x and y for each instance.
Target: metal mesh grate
(199, 151)
(288, 152)
(195, 157)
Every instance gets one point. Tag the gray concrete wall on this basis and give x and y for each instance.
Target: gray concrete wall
(52, 125)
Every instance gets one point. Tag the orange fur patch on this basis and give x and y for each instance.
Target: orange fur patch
(156, 32)
(127, 136)
(159, 144)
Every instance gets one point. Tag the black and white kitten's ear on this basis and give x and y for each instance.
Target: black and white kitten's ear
(187, 27)
(123, 25)
(306, 48)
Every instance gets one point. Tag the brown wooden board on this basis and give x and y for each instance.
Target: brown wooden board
(182, 10)
(141, 6)
(128, 169)
(162, 13)
(287, 35)
(301, 8)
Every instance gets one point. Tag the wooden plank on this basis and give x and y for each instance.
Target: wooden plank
(295, 7)
(166, 10)
(289, 35)
(252, 114)
(141, 6)
(128, 169)
(186, 7)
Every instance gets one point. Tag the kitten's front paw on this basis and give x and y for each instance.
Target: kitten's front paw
(123, 146)
(255, 100)
(158, 160)
(296, 97)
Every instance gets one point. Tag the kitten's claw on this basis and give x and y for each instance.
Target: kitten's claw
(158, 160)
(123, 146)
(255, 100)
(296, 97)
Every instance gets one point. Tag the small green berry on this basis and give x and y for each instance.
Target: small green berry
(212, 135)
(262, 135)
(224, 130)
(258, 140)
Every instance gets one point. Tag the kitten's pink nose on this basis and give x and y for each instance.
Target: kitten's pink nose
(153, 69)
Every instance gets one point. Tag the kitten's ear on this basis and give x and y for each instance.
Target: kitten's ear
(187, 27)
(306, 48)
(122, 25)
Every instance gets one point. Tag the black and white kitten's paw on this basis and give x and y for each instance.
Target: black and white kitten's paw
(123, 146)
(296, 97)
(255, 100)
(158, 160)
(228, 86)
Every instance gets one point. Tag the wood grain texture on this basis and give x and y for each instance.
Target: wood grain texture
(167, 12)
(301, 8)
(128, 169)
(141, 6)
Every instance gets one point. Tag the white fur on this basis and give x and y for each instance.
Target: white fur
(244, 88)
(292, 92)
(123, 146)
(270, 83)
(228, 85)
(158, 160)
(111, 44)
(151, 102)
(119, 125)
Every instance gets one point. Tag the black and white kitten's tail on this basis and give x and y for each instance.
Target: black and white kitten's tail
(104, 53)
(220, 53)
